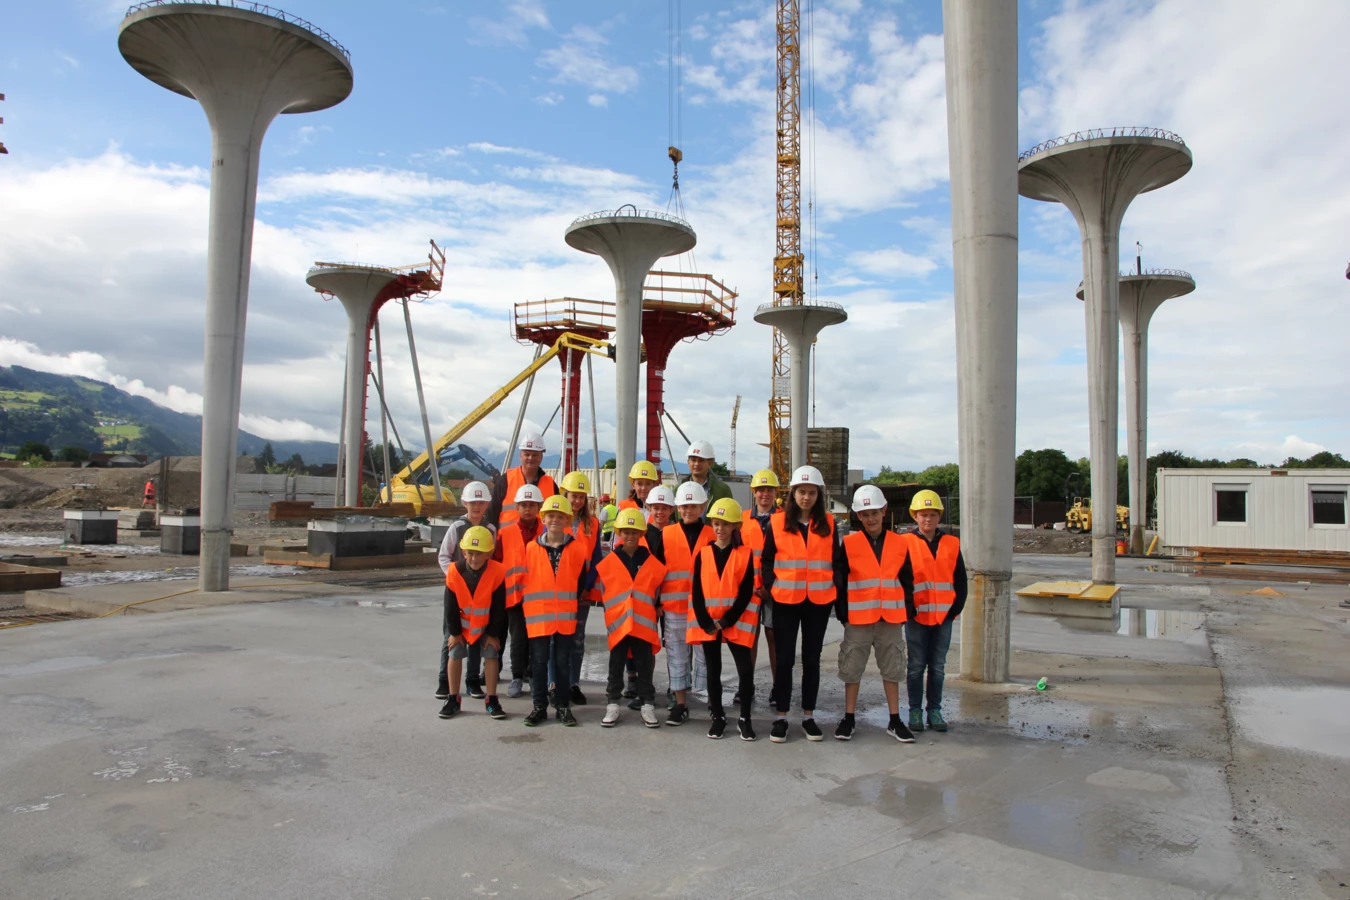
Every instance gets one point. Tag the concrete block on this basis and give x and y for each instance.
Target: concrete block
(181, 535)
(1068, 606)
(357, 536)
(91, 526)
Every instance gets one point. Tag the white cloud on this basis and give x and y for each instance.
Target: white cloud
(579, 60)
(892, 262)
(598, 100)
(514, 25)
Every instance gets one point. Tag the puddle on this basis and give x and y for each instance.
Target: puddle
(1312, 719)
(1166, 624)
(114, 549)
(9, 539)
(180, 573)
(1172, 568)
(1035, 715)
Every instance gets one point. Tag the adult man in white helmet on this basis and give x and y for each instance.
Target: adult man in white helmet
(505, 486)
(475, 498)
(700, 459)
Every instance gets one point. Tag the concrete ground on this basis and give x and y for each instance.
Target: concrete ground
(292, 749)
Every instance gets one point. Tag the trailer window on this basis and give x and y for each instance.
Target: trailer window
(1328, 507)
(1230, 504)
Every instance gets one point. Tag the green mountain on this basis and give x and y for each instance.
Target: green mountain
(64, 411)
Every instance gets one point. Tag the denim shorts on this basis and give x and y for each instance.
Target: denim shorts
(461, 651)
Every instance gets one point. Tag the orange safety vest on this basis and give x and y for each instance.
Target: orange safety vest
(874, 591)
(512, 541)
(515, 480)
(679, 581)
(550, 598)
(630, 603)
(802, 570)
(934, 587)
(475, 609)
(588, 540)
(149, 490)
(719, 595)
(629, 504)
(752, 536)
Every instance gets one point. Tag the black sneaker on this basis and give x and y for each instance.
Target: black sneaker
(898, 730)
(565, 716)
(747, 732)
(536, 716)
(494, 707)
(635, 703)
(476, 690)
(778, 733)
(844, 730)
(813, 732)
(442, 690)
(451, 708)
(577, 697)
(679, 715)
(717, 728)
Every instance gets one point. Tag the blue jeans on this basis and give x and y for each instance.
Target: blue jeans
(928, 646)
(577, 653)
(554, 650)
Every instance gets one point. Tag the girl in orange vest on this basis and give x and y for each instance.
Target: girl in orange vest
(872, 610)
(801, 552)
(764, 487)
(629, 580)
(723, 609)
(934, 576)
(576, 487)
(475, 616)
(643, 476)
(557, 573)
(681, 543)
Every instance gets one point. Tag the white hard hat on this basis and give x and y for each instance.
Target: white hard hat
(529, 493)
(807, 475)
(475, 490)
(701, 449)
(868, 496)
(690, 493)
(661, 494)
(532, 440)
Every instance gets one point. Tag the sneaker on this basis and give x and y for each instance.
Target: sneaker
(898, 731)
(679, 715)
(576, 696)
(515, 688)
(476, 691)
(649, 716)
(935, 720)
(778, 733)
(536, 716)
(494, 707)
(916, 721)
(844, 730)
(630, 688)
(451, 708)
(813, 732)
(717, 728)
(565, 716)
(611, 716)
(635, 704)
(747, 732)
(442, 690)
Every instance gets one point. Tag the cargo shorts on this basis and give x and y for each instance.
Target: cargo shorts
(887, 639)
(461, 651)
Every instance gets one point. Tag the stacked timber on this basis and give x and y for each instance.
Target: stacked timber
(1336, 559)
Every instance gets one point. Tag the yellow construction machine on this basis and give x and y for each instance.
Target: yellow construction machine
(1078, 519)
(414, 485)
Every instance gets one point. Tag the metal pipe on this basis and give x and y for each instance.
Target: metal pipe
(595, 432)
(384, 413)
(422, 406)
(342, 447)
(520, 414)
(565, 460)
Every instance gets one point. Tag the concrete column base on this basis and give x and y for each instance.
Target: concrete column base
(215, 560)
(985, 646)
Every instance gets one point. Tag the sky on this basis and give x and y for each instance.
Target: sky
(490, 127)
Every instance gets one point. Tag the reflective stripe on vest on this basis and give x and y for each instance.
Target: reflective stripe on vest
(802, 570)
(475, 608)
(752, 536)
(679, 579)
(934, 577)
(719, 595)
(550, 599)
(515, 480)
(871, 596)
(512, 540)
(589, 540)
(630, 602)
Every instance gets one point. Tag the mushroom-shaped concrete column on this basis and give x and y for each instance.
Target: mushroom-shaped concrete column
(629, 240)
(1096, 174)
(800, 323)
(244, 68)
(1141, 293)
(358, 288)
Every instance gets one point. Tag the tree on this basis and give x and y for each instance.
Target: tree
(609, 463)
(455, 473)
(1324, 460)
(73, 454)
(268, 456)
(1041, 473)
(296, 464)
(946, 476)
(30, 449)
(887, 475)
(720, 468)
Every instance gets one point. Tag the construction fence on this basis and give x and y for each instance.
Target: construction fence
(258, 491)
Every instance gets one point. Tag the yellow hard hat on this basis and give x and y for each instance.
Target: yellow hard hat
(477, 538)
(727, 510)
(763, 478)
(925, 500)
(576, 481)
(644, 469)
(558, 503)
(631, 519)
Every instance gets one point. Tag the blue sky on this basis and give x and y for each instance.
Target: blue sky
(489, 127)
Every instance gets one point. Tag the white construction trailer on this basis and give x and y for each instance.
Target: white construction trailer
(1263, 509)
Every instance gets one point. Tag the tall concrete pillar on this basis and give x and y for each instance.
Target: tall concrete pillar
(630, 241)
(1097, 174)
(358, 288)
(244, 68)
(799, 325)
(1141, 293)
(981, 58)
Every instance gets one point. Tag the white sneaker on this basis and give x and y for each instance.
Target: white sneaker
(515, 688)
(648, 714)
(612, 716)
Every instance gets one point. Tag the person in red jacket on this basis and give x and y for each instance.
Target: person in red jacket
(934, 578)
(475, 615)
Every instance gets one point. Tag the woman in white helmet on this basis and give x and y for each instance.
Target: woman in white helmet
(798, 565)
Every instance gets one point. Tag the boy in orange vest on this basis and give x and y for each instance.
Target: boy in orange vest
(629, 583)
(475, 616)
(557, 574)
(872, 610)
(723, 608)
(681, 543)
(934, 577)
(511, 543)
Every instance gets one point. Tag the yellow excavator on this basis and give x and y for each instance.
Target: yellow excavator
(1078, 519)
(413, 483)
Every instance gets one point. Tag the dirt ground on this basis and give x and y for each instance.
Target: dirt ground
(1045, 540)
(61, 488)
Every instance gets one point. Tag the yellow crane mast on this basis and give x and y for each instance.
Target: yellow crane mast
(788, 262)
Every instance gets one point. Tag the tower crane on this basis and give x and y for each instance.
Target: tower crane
(735, 414)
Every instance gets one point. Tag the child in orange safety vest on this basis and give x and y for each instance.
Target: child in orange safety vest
(557, 574)
(475, 616)
(934, 578)
(629, 583)
(723, 608)
(872, 610)
(681, 543)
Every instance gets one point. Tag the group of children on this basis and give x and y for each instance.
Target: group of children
(688, 572)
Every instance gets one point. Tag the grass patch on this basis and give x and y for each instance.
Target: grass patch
(119, 431)
(21, 399)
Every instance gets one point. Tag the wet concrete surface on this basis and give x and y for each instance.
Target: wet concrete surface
(292, 749)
